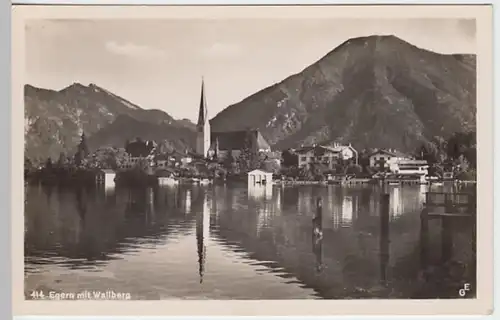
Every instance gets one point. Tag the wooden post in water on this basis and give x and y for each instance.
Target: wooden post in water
(446, 229)
(473, 212)
(384, 237)
(319, 209)
(424, 232)
(317, 234)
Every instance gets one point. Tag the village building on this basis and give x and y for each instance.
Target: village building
(161, 161)
(326, 155)
(385, 156)
(212, 144)
(138, 152)
(260, 177)
(409, 167)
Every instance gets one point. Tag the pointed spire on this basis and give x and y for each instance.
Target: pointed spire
(202, 115)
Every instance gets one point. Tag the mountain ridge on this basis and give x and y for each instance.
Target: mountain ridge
(373, 92)
(54, 120)
(351, 82)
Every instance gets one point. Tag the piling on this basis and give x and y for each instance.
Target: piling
(473, 211)
(384, 237)
(317, 241)
(424, 233)
(446, 230)
(319, 209)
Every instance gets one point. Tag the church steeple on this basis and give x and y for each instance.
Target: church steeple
(203, 112)
(203, 125)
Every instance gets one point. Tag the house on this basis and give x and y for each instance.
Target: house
(161, 161)
(385, 156)
(186, 160)
(139, 152)
(166, 177)
(106, 177)
(409, 167)
(259, 177)
(327, 155)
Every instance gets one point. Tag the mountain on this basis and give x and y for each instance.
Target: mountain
(374, 92)
(54, 121)
(126, 128)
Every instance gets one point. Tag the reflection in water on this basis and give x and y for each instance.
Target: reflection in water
(141, 241)
(347, 211)
(187, 202)
(317, 234)
(202, 235)
(384, 237)
(260, 191)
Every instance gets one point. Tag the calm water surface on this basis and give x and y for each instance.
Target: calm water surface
(231, 242)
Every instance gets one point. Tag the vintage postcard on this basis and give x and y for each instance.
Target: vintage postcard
(260, 160)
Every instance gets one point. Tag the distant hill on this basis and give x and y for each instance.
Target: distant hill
(376, 91)
(127, 128)
(54, 121)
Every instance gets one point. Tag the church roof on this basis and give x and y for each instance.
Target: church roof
(235, 140)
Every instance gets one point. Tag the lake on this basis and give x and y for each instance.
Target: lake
(235, 242)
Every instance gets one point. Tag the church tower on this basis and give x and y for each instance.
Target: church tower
(203, 126)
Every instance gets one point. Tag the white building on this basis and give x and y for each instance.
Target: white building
(327, 155)
(409, 167)
(260, 177)
(385, 156)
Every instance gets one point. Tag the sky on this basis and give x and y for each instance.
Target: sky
(159, 64)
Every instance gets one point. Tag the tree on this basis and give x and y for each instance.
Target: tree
(317, 171)
(28, 165)
(270, 165)
(462, 144)
(82, 151)
(62, 162)
(108, 158)
(290, 158)
(228, 160)
(83, 147)
(48, 164)
(246, 159)
(355, 169)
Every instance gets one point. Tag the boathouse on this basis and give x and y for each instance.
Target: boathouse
(261, 177)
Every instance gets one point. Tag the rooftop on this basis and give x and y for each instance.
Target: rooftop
(235, 140)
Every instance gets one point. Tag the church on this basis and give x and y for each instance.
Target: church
(210, 144)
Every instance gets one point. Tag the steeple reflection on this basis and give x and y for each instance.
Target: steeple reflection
(202, 234)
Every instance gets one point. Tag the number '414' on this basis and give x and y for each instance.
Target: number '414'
(37, 294)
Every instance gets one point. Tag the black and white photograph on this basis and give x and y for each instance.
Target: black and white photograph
(250, 159)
